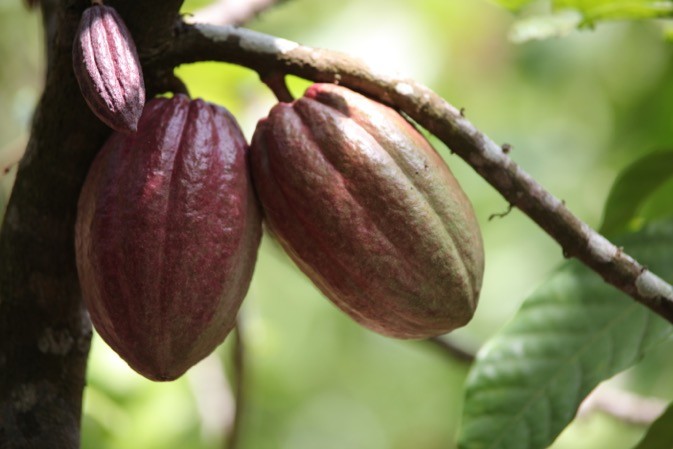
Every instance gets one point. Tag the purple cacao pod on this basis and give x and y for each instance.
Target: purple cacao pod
(369, 211)
(107, 68)
(167, 234)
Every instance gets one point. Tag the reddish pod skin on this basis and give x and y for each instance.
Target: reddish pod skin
(369, 211)
(107, 68)
(167, 235)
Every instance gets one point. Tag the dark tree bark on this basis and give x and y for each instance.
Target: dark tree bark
(44, 329)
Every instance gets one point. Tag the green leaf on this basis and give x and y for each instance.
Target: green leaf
(594, 10)
(572, 333)
(571, 14)
(660, 434)
(629, 12)
(545, 26)
(632, 187)
(568, 15)
(514, 5)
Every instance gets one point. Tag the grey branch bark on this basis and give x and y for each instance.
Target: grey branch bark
(267, 54)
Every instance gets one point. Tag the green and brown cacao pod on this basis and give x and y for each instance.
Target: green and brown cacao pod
(167, 234)
(106, 65)
(369, 211)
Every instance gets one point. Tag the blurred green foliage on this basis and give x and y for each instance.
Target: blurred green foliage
(631, 197)
(20, 82)
(576, 111)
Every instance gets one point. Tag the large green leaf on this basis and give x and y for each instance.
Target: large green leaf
(632, 187)
(545, 26)
(617, 9)
(564, 15)
(514, 5)
(572, 333)
(660, 434)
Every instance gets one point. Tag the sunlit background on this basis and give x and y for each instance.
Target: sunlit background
(575, 110)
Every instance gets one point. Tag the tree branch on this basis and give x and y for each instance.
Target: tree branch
(267, 54)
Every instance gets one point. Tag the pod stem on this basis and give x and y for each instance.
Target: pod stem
(275, 80)
(168, 82)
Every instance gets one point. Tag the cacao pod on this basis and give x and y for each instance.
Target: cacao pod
(106, 65)
(167, 234)
(369, 211)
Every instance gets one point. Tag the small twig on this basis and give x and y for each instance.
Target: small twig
(233, 437)
(265, 53)
(623, 405)
(450, 347)
(232, 12)
(501, 214)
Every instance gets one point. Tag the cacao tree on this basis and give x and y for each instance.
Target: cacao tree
(351, 188)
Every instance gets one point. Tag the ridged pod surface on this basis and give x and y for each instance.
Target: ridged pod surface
(167, 234)
(369, 211)
(107, 68)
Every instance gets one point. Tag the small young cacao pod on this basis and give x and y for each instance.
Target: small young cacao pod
(106, 65)
(369, 211)
(167, 234)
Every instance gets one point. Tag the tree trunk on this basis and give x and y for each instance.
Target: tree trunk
(44, 329)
